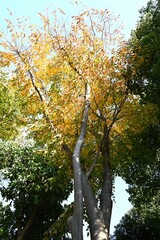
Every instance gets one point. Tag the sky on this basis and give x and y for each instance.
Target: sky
(128, 11)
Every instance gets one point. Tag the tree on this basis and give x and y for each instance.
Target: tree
(143, 173)
(145, 42)
(136, 225)
(74, 88)
(33, 189)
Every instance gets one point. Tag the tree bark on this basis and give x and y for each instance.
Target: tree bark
(106, 193)
(76, 221)
(97, 225)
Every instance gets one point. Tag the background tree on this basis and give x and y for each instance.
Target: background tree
(145, 42)
(77, 104)
(142, 174)
(33, 189)
(143, 177)
(139, 225)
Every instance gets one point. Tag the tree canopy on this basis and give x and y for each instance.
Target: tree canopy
(142, 174)
(145, 42)
(138, 225)
(73, 88)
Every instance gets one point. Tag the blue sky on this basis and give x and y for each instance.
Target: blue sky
(128, 11)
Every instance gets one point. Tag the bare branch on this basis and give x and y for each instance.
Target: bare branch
(94, 163)
(117, 111)
(34, 85)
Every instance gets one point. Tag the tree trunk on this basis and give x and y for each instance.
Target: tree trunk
(106, 193)
(76, 221)
(97, 225)
(99, 219)
(22, 234)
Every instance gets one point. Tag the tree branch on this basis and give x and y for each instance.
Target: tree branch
(117, 111)
(34, 85)
(94, 163)
(25, 230)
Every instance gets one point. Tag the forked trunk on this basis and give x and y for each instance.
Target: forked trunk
(76, 221)
(97, 225)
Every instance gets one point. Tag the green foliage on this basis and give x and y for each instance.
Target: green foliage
(8, 110)
(139, 226)
(142, 172)
(140, 167)
(58, 228)
(6, 222)
(139, 164)
(29, 184)
(145, 43)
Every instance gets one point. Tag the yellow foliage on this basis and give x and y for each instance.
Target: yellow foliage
(53, 66)
(6, 59)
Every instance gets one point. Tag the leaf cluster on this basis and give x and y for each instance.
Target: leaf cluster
(145, 44)
(29, 182)
(135, 225)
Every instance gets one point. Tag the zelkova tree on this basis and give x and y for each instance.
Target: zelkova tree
(73, 94)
